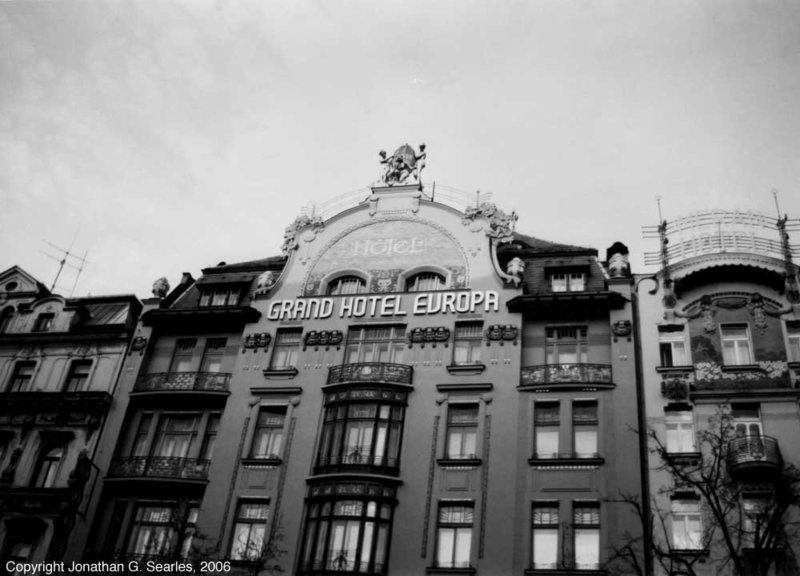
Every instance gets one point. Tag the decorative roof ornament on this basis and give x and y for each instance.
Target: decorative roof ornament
(160, 287)
(403, 167)
(302, 222)
(501, 225)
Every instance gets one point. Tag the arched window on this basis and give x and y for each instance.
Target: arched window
(425, 282)
(47, 466)
(347, 285)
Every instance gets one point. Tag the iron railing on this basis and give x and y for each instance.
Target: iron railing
(565, 374)
(753, 452)
(370, 372)
(159, 467)
(183, 381)
(358, 456)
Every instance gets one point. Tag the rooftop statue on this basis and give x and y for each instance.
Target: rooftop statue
(403, 167)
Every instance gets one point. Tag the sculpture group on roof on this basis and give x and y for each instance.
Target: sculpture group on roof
(403, 167)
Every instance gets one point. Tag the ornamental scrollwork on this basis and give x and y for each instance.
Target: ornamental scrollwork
(501, 224)
(300, 223)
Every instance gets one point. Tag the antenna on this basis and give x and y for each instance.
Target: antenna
(660, 218)
(777, 206)
(64, 260)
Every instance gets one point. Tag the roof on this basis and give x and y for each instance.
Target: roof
(274, 262)
(107, 313)
(533, 245)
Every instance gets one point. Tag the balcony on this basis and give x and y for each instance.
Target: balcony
(754, 457)
(361, 458)
(162, 467)
(566, 376)
(373, 372)
(214, 382)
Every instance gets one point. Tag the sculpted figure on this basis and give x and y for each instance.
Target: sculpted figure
(515, 268)
(160, 287)
(265, 280)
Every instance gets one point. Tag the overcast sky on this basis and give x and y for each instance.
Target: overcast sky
(174, 135)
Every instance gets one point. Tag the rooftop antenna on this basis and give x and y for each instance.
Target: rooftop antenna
(660, 217)
(64, 260)
(777, 206)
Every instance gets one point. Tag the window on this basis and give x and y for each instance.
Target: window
(176, 433)
(672, 346)
(454, 535)
(212, 355)
(347, 285)
(546, 424)
(210, 437)
(462, 431)
(746, 420)
(585, 428)
(566, 344)
(347, 536)
(287, 344)
(425, 282)
(157, 527)
(735, 344)
(467, 343)
(545, 535)
(43, 322)
(361, 433)
(375, 344)
(687, 533)
(22, 377)
(793, 338)
(183, 355)
(78, 376)
(567, 281)
(586, 529)
(141, 439)
(219, 297)
(755, 518)
(46, 470)
(680, 431)
(268, 437)
(249, 531)
(5, 320)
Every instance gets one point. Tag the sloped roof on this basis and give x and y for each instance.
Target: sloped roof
(247, 266)
(107, 313)
(535, 245)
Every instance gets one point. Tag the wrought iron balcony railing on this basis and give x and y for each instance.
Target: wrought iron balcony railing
(159, 467)
(378, 372)
(358, 456)
(565, 374)
(183, 382)
(756, 454)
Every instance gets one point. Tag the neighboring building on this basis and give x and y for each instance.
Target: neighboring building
(59, 363)
(719, 325)
(414, 388)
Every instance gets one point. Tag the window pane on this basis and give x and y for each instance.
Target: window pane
(585, 442)
(587, 548)
(547, 442)
(545, 548)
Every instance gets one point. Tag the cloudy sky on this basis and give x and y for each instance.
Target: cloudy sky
(167, 136)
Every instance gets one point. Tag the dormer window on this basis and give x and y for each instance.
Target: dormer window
(567, 281)
(219, 297)
(425, 282)
(44, 322)
(347, 285)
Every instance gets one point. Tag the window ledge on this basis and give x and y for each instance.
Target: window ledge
(261, 462)
(567, 461)
(686, 458)
(459, 462)
(741, 368)
(436, 570)
(563, 572)
(288, 373)
(682, 369)
(466, 369)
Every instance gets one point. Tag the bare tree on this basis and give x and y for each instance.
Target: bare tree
(747, 507)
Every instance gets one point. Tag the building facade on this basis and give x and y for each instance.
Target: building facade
(720, 345)
(60, 359)
(413, 387)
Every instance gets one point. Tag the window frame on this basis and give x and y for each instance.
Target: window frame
(581, 527)
(44, 322)
(465, 430)
(285, 351)
(366, 344)
(6, 318)
(172, 536)
(416, 282)
(458, 529)
(183, 353)
(213, 354)
(681, 422)
(559, 336)
(335, 285)
(747, 339)
(269, 431)
(218, 297)
(586, 425)
(77, 381)
(468, 338)
(548, 424)
(22, 382)
(552, 528)
(667, 341)
(683, 518)
(47, 468)
(560, 281)
(249, 523)
(793, 341)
